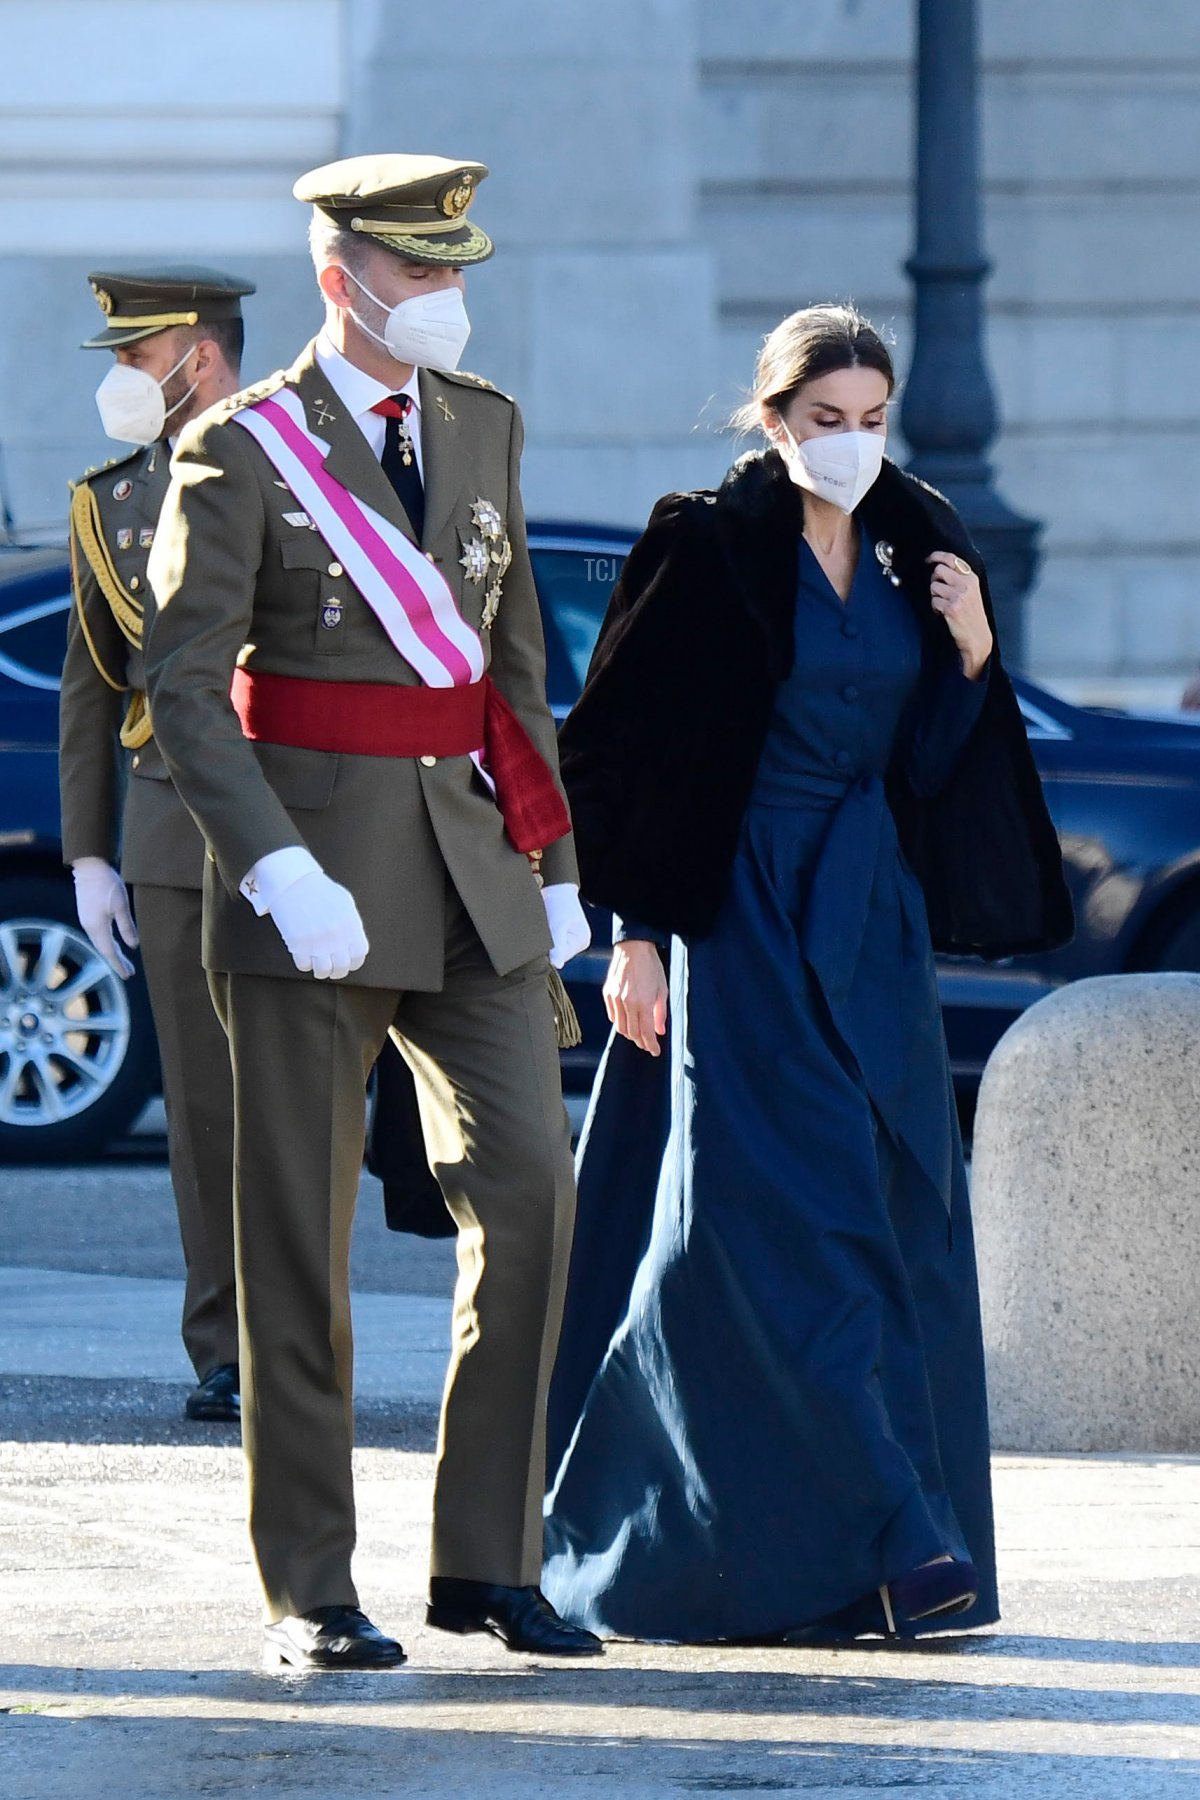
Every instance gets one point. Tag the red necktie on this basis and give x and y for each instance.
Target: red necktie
(399, 459)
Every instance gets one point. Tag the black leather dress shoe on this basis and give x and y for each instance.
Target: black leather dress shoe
(521, 1616)
(329, 1637)
(217, 1396)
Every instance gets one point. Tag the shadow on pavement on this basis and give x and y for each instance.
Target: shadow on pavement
(334, 1748)
(53, 1409)
(796, 1693)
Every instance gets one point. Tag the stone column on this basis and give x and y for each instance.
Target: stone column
(598, 311)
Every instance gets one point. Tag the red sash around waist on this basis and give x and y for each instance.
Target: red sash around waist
(360, 718)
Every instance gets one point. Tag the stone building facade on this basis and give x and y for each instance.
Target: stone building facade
(669, 178)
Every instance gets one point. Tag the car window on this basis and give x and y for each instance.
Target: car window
(574, 586)
(33, 642)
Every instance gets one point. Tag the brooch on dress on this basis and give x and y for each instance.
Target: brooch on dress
(883, 556)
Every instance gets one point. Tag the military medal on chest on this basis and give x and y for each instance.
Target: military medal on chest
(487, 556)
(404, 441)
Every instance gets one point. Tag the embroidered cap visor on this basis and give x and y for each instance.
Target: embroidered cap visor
(415, 206)
(137, 303)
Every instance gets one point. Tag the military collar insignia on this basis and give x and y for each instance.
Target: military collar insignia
(122, 489)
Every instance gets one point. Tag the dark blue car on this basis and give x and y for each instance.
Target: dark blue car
(77, 1054)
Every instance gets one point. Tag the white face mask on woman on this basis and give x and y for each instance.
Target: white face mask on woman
(838, 466)
(131, 404)
(428, 330)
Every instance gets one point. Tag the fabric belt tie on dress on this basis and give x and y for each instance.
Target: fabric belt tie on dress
(860, 857)
(360, 718)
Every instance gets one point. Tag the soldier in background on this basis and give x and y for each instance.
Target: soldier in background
(177, 336)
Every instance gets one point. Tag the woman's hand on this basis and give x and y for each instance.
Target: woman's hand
(958, 597)
(635, 994)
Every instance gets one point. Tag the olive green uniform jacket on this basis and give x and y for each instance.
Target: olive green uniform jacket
(114, 803)
(237, 579)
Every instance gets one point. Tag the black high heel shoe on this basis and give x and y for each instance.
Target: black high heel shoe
(936, 1590)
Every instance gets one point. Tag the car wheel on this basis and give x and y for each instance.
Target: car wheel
(78, 1057)
(1181, 949)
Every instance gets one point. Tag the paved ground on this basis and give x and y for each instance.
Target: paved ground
(128, 1655)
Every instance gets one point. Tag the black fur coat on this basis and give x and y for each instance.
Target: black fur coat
(660, 754)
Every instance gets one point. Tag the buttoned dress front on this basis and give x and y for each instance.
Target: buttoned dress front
(770, 1395)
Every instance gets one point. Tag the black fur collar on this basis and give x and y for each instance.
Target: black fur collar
(760, 512)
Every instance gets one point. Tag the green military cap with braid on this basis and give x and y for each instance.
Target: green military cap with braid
(138, 302)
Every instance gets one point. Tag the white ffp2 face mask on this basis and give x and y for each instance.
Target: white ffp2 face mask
(838, 466)
(131, 405)
(430, 331)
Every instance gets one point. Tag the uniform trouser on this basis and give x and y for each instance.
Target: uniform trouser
(486, 1064)
(198, 1092)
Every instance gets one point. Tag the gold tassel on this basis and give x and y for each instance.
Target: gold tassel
(137, 729)
(566, 1019)
(88, 527)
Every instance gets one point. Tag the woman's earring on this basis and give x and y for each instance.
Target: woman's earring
(883, 555)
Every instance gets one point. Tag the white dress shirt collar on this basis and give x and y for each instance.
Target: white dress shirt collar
(359, 392)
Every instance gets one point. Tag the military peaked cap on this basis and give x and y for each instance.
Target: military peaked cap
(138, 302)
(415, 206)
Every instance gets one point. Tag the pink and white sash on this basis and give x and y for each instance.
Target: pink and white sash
(410, 598)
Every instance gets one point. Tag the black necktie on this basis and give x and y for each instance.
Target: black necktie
(400, 459)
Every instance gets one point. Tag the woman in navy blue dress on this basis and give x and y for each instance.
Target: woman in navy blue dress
(769, 1415)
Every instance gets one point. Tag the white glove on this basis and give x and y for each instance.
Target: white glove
(318, 921)
(101, 901)
(567, 920)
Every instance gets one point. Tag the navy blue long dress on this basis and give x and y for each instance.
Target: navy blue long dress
(770, 1394)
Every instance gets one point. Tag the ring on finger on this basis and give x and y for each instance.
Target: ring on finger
(962, 567)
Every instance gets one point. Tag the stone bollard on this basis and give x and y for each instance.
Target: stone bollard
(1086, 1193)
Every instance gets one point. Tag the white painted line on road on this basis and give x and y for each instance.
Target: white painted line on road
(114, 1327)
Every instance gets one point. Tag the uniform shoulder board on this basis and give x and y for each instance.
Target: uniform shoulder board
(259, 390)
(114, 462)
(475, 381)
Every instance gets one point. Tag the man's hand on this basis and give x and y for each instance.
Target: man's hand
(567, 921)
(635, 994)
(101, 901)
(319, 922)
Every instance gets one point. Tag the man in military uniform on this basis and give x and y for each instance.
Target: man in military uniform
(344, 547)
(177, 337)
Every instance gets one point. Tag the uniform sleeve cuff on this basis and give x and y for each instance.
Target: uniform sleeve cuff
(271, 874)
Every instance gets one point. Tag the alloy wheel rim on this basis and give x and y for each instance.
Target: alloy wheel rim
(64, 1024)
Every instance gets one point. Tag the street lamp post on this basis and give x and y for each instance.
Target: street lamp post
(949, 411)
